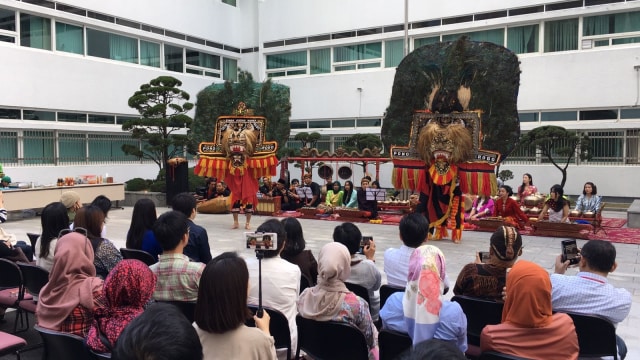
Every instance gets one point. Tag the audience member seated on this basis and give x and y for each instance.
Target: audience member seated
(295, 253)
(104, 204)
(487, 280)
(414, 229)
(589, 292)
(140, 235)
(529, 327)
(71, 200)
(527, 188)
(370, 206)
(334, 195)
(107, 256)
(330, 300)
(54, 218)
(11, 249)
(363, 270)
(421, 310)
(178, 278)
(482, 206)
(280, 279)
(433, 349)
(74, 292)
(197, 248)
(349, 196)
(508, 209)
(557, 207)
(221, 312)
(127, 289)
(315, 191)
(287, 200)
(221, 190)
(589, 200)
(161, 332)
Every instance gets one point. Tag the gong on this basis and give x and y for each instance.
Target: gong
(325, 172)
(345, 172)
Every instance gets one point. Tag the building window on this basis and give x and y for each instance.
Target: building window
(102, 119)
(202, 63)
(598, 26)
(9, 113)
(149, 54)
(630, 114)
(425, 41)
(38, 147)
(561, 35)
(72, 148)
(39, 115)
(346, 123)
(320, 124)
(230, 69)
(368, 122)
(393, 52)
(598, 114)
(286, 64)
(35, 32)
(121, 119)
(7, 26)
(173, 58)
(112, 46)
(8, 147)
(69, 38)
(606, 146)
(559, 116)
(320, 61)
(72, 117)
(108, 148)
(495, 36)
(356, 57)
(523, 39)
(230, 2)
(528, 117)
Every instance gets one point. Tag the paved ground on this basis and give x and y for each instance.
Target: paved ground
(541, 250)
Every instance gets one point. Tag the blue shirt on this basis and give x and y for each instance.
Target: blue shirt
(197, 248)
(150, 244)
(452, 326)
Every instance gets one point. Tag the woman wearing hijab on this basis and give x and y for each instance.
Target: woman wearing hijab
(529, 328)
(67, 302)
(330, 300)
(421, 310)
(127, 289)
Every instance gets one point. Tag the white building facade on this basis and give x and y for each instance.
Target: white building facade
(68, 71)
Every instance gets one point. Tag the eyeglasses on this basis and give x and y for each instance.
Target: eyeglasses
(79, 230)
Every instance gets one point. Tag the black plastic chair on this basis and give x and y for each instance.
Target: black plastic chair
(98, 356)
(33, 238)
(393, 343)
(358, 290)
(59, 345)
(596, 336)
(304, 283)
(34, 279)
(494, 355)
(141, 255)
(11, 282)
(330, 340)
(278, 327)
(479, 312)
(386, 291)
(186, 307)
(11, 344)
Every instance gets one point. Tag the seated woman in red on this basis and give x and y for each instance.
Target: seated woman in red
(508, 209)
(529, 328)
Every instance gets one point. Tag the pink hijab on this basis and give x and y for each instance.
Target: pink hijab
(72, 281)
(323, 301)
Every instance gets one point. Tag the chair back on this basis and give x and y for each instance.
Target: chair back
(11, 275)
(358, 290)
(596, 336)
(479, 312)
(386, 291)
(98, 356)
(278, 327)
(33, 239)
(393, 343)
(187, 308)
(141, 255)
(34, 278)
(494, 355)
(304, 283)
(59, 345)
(330, 340)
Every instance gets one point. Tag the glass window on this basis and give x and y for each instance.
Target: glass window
(102, 119)
(559, 115)
(495, 36)
(69, 38)
(108, 148)
(204, 60)
(38, 147)
(523, 39)
(606, 146)
(393, 52)
(173, 58)
(298, 124)
(611, 24)
(9, 113)
(72, 148)
(121, 119)
(598, 114)
(8, 39)
(7, 20)
(319, 124)
(35, 32)
(528, 117)
(347, 123)
(425, 41)
(112, 46)
(357, 52)
(39, 115)
(561, 35)
(229, 2)
(369, 122)
(630, 114)
(72, 117)
(8, 147)
(292, 59)
(149, 54)
(320, 61)
(230, 69)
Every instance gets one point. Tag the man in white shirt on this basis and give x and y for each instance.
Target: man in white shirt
(589, 292)
(280, 280)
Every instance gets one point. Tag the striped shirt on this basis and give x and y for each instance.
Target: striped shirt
(178, 278)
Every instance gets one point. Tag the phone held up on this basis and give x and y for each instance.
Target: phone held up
(261, 241)
(570, 251)
(364, 242)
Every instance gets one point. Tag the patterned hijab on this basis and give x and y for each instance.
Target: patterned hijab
(528, 302)
(423, 295)
(323, 301)
(72, 281)
(127, 289)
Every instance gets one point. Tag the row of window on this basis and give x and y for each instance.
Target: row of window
(558, 35)
(38, 32)
(582, 115)
(46, 115)
(343, 123)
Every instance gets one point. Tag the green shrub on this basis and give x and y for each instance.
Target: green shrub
(137, 184)
(158, 186)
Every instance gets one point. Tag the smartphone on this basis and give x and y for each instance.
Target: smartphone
(364, 242)
(570, 251)
(261, 241)
(484, 256)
